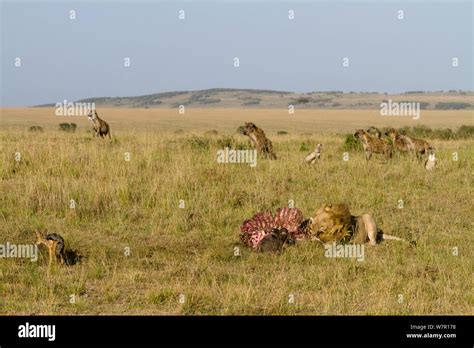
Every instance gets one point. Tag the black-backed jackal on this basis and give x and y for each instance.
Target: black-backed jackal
(55, 245)
(275, 241)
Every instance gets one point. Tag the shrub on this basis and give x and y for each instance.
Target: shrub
(420, 131)
(226, 142)
(209, 101)
(322, 100)
(465, 132)
(64, 127)
(424, 105)
(35, 129)
(198, 143)
(352, 143)
(404, 130)
(67, 127)
(451, 106)
(302, 100)
(252, 102)
(211, 132)
(282, 133)
(304, 147)
(231, 143)
(444, 134)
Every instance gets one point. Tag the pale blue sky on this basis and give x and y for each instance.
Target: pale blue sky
(74, 59)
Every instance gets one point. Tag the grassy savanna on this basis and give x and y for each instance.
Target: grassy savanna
(271, 120)
(190, 250)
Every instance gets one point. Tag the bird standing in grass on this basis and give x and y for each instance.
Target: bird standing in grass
(313, 156)
(430, 163)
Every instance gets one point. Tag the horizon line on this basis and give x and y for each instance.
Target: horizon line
(261, 90)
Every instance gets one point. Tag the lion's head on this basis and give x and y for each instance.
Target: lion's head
(332, 223)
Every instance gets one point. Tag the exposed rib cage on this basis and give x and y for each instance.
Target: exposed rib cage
(253, 230)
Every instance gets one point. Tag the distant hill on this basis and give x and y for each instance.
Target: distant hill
(256, 98)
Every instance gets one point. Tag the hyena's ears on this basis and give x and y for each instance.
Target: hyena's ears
(39, 236)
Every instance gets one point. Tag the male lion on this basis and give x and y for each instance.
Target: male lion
(334, 223)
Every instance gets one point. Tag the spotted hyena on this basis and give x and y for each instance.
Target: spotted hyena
(100, 127)
(422, 147)
(259, 140)
(373, 144)
(372, 130)
(401, 142)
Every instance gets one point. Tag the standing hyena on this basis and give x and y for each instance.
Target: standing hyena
(373, 144)
(422, 147)
(374, 131)
(100, 127)
(259, 140)
(401, 143)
